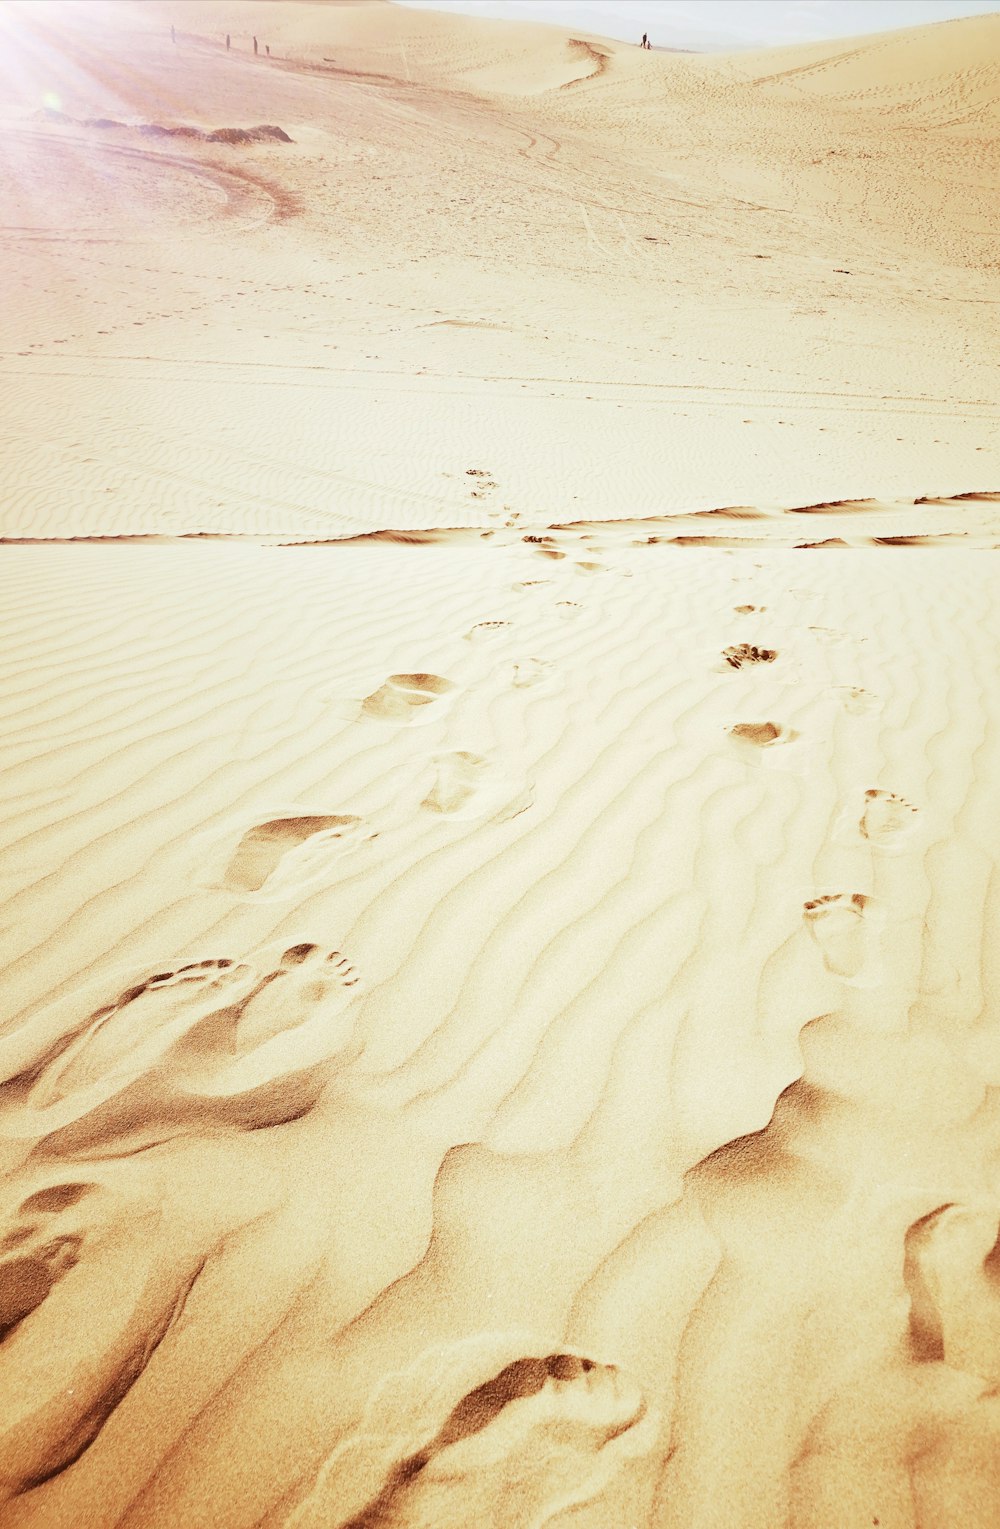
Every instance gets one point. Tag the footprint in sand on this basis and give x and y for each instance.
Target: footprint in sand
(36, 1251)
(469, 785)
(887, 819)
(408, 698)
(561, 1425)
(748, 610)
(857, 701)
(952, 1274)
(483, 484)
(762, 735)
(830, 635)
(282, 853)
(192, 1048)
(544, 546)
(532, 671)
(525, 586)
(744, 653)
(115, 1044)
(486, 631)
(837, 922)
(568, 609)
(87, 1291)
(306, 979)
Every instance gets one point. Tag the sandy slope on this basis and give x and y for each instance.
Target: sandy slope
(664, 287)
(501, 936)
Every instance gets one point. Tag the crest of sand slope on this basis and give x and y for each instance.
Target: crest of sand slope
(675, 284)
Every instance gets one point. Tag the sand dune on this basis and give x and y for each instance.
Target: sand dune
(501, 940)
(326, 336)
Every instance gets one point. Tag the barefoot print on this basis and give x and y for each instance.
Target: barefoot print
(234, 1045)
(744, 653)
(857, 701)
(281, 855)
(470, 785)
(837, 922)
(408, 697)
(762, 735)
(484, 631)
(886, 818)
(87, 1292)
(532, 671)
(559, 1424)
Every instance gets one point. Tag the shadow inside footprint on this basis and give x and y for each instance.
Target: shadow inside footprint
(561, 1426)
(459, 776)
(404, 695)
(952, 1274)
(263, 848)
(212, 1044)
(35, 1254)
(123, 1040)
(743, 653)
(761, 735)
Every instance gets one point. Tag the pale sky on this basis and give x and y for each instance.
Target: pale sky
(723, 23)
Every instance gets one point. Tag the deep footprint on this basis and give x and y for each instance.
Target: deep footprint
(404, 696)
(262, 848)
(35, 1254)
(952, 1275)
(177, 1060)
(68, 1362)
(743, 653)
(129, 1036)
(558, 1425)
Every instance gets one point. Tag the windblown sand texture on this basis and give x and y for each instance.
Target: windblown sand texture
(503, 940)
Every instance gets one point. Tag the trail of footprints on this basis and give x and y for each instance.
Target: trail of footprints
(232, 1046)
(840, 923)
(279, 857)
(236, 1046)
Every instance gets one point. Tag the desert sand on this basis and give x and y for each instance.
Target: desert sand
(501, 1008)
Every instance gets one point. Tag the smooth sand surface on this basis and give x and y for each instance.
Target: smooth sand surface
(501, 936)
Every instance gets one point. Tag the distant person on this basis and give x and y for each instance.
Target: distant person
(645, 41)
(227, 42)
(267, 49)
(255, 47)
